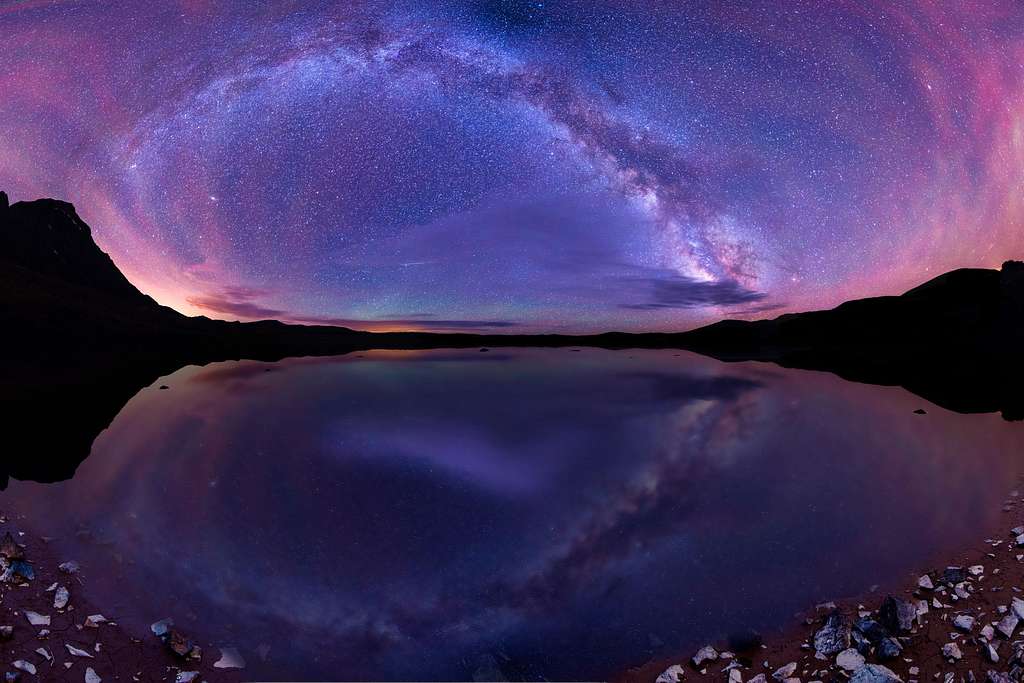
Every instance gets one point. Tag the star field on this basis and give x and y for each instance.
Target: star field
(500, 165)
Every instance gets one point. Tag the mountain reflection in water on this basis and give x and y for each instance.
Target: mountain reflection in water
(550, 513)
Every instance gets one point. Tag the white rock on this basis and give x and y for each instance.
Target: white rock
(61, 597)
(37, 619)
(230, 658)
(673, 674)
(189, 676)
(964, 622)
(1007, 625)
(952, 651)
(850, 659)
(76, 652)
(25, 666)
(735, 676)
(784, 672)
(1017, 607)
(45, 653)
(875, 673)
(976, 570)
(987, 632)
(91, 677)
(990, 652)
(925, 582)
(94, 620)
(705, 654)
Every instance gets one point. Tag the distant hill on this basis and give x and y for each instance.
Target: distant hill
(79, 339)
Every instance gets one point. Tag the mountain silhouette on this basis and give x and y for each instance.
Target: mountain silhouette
(79, 340)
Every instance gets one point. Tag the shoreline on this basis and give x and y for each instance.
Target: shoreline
(988, 576)
(43, 631)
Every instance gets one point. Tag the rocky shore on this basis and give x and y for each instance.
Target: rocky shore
(961, 623)
(50, 632)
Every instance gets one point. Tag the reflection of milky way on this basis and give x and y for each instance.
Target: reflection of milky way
(403, 513)
(502, 164)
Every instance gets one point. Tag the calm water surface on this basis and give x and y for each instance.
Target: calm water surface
(559, 514)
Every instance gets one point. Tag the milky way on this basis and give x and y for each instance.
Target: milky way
(517, 166)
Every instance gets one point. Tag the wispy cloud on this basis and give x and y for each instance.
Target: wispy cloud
(665, 290)
(243, 302)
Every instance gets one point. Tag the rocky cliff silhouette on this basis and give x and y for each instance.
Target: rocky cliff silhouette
(79, 340)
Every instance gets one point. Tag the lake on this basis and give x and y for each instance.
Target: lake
(560, 514)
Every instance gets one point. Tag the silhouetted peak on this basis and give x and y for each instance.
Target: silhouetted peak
(4, 201)
(47, 236)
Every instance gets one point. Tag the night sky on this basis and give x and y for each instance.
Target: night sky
(515, 166)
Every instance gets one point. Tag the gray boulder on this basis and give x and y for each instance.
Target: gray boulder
(834, 636)
(875, 673)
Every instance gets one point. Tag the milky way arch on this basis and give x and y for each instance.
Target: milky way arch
(504, 165)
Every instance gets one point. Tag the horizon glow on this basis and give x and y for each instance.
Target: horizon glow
(507, 166)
